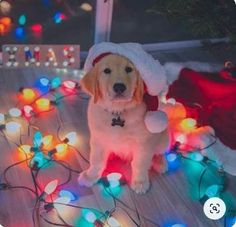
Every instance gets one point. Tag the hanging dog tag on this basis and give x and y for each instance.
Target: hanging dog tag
(118, 121)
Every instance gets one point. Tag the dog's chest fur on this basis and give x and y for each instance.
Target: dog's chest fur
(121, 140)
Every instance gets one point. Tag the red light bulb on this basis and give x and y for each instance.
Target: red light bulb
(37, 28)
(69, 84)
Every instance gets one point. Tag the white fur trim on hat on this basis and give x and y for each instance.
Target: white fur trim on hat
(156, 121)
(173, 69)
(151, 71)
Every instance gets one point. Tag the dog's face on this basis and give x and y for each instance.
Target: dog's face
(114, 79)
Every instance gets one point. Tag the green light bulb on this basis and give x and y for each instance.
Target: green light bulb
(56, 82)
(22, 19)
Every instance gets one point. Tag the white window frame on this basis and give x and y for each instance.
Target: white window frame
(104, 11)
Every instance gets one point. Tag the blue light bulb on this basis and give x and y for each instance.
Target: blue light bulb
(37, 140)
(66, 193)
(43, 85)
(57, 18)
(19, 32)
(44, 81)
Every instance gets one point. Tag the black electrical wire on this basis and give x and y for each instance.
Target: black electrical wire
(58, 136)
(66, 167)
(70, 170)
(53, 223)
(125, 205)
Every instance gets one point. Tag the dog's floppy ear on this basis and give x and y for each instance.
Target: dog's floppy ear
(90, 83)
(139, 91)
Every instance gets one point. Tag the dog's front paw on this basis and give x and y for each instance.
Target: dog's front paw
(86, 180)
(140, 186)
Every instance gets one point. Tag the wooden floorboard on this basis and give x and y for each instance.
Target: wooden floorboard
(167, 198)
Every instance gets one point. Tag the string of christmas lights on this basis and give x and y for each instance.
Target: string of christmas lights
(21, 22)
(45, 150)
(38, 155)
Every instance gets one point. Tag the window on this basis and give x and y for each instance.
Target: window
(48, 22)
(133, 21)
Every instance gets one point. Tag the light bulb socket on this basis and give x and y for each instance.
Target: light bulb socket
(54, 103)
(21, 89)
(52, 89)
(107, 213)
(66, 140)
(175, 147)
(205, 159)
(48, 207)
(104, 181)
(2, 127)
(42, 196)
(34, 149)
(203, 199)
(77, 86)
(35, 166)
(4, 186)
(98, 223)
(52, 152)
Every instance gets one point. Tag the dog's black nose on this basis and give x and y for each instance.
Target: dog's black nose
(119, 88)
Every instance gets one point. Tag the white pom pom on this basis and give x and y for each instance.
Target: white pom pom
(156, 121)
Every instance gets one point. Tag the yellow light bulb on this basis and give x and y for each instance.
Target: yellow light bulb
(43, 104)
(188, 124)
(28, 95)
(25, 149)
(47, 141)
(61, 148)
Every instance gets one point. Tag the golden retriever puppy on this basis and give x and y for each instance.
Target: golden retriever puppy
(116, 121)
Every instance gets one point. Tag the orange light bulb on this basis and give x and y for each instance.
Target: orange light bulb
(25, 149)
(61, 148)
(2, 28)
(6, 21)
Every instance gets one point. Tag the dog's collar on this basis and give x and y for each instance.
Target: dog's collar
(115, 113)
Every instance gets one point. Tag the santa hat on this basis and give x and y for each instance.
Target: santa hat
(151, 71)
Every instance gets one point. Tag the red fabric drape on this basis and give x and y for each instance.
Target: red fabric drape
(211, 98)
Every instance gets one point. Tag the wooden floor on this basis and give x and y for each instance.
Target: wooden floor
(167, 200)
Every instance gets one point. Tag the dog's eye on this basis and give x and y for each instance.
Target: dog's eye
(107, 71)
(128, 69)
